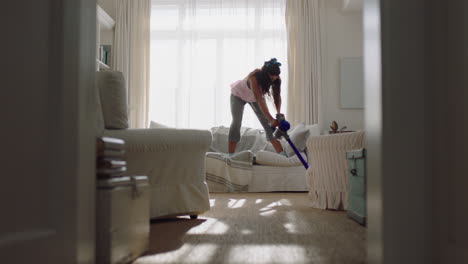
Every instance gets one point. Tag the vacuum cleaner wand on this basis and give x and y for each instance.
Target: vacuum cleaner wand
(281, 131)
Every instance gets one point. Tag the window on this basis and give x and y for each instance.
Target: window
(198, 48)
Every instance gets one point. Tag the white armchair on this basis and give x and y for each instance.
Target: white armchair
(173, 159)
(327, 174)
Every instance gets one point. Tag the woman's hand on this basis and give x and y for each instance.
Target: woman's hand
(274, 123)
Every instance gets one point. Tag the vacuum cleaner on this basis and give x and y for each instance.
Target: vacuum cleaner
(281, 131)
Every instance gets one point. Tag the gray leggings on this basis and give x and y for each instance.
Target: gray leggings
(237, 111)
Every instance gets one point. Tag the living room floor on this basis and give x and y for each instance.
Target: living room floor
(258, 228)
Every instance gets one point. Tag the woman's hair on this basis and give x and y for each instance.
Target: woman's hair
(271, 67)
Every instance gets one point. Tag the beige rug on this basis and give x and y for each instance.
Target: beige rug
(258, 228)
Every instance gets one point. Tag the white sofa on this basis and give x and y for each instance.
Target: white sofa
(256, 167)
(173, 159)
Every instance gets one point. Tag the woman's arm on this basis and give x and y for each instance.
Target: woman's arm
(278, 106)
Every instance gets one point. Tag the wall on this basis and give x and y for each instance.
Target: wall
(108, 6)
(341, 33)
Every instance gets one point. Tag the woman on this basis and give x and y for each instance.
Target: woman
(252, 90)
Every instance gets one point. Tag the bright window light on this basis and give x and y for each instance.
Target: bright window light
(226, 18)
(200, 47)
(165, 18)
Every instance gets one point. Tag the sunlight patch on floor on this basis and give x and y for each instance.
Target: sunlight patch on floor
(234, 203)
(290, 226)
(212, 226)
(285, 202)
(268, 212)
(188, 253)
(260, 228)
(267, 254)
(273, 204)
(212, 202)
(246, 232)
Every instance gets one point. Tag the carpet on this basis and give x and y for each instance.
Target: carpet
(258, 228)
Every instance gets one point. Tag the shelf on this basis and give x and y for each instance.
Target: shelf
(106, 22)
(102, 65)
(104, 25)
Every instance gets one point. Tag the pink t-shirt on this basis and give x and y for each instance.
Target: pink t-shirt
(240, 89)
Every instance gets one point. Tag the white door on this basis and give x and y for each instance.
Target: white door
(47, 131)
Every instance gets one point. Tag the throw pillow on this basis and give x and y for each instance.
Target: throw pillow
(314, 130)
(298, 136)
(251, 139)
(154, 124)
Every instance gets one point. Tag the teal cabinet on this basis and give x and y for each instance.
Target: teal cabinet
(357, 208)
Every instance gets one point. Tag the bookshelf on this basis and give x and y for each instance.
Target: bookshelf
(104, 28)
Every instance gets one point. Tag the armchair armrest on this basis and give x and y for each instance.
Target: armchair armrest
(162, 139)
(162, 152)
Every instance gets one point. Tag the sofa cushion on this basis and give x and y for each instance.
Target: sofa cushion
(298, 136)
(113, 94)
(273, 159)
(154, 124)
(251, 139)
(314, 130)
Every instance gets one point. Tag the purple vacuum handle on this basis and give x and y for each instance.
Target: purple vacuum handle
(297, 153)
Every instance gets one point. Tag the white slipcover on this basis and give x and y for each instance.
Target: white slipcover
(173, 159)
(327, 174)
(256, 167)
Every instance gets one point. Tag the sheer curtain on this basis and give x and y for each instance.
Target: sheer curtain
(304, 60)
(131, 55)
(200, 47)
